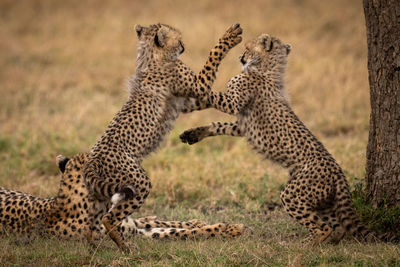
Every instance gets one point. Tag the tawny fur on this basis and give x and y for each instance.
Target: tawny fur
(159, 90)
(317, 194)
(66, 215)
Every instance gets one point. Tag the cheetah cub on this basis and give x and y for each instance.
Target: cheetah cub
(65, 216)
(317, 194)
(158, 91)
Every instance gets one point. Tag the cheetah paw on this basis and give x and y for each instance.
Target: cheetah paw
(190, 136)
(232, 35)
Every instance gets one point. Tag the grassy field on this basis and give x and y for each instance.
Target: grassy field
(64, 66)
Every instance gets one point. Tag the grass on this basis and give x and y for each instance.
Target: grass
(64, 66)
(383, 219)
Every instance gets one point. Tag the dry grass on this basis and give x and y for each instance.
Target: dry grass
(64, 67)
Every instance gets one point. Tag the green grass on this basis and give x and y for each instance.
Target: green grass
(64, 66)
(383, 219)
(275, 242)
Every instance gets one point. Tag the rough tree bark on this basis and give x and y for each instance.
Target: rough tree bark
(383, 152)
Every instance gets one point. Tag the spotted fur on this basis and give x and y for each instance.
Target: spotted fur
(150, 227)
(159, 90)
(317, 193)
(66, 215)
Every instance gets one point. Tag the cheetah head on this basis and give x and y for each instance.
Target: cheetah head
(265, 53)
(72, 189)
(160, 42)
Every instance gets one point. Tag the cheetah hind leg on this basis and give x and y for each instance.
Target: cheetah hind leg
(306, 214)
(113, 221)
(115, 235)
(318, 229)
(329, 216)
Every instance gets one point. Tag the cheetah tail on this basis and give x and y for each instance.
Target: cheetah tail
(351, 223)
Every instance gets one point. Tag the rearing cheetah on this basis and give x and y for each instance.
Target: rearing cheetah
(317, 194)
(159, 91)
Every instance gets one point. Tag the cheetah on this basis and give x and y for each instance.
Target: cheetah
(65, 216)
(317, 193)
(162, 87)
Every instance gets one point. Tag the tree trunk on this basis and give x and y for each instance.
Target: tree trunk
(383, 152)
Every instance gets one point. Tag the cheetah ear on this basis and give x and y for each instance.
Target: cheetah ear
(161, 37)
(62, 162)
(138, 30)
(288, 49)
(266, 41)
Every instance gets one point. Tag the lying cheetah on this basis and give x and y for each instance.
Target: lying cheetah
(66, 215)
(317, 194)
(159, 91)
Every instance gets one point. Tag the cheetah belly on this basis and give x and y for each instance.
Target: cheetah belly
(164, 123)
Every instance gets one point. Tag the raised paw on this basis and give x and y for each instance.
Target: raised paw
(192, 136)
(232, 36)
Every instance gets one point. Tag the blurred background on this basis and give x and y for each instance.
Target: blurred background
(64, 67)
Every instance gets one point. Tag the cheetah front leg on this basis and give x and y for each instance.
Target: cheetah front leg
(192, 104)
(198, 86)
(197, 134)
(239, 94)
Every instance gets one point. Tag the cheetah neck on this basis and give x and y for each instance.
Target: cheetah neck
(278, 79)
(275, 78)
(144, 57)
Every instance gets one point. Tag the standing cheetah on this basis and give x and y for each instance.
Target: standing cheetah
(159, 90)
(317, 194)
